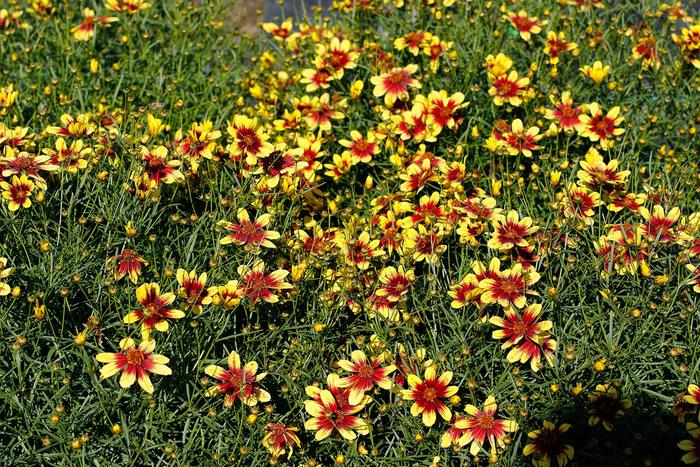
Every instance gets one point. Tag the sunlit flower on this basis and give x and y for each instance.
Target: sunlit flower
(427, 395)
(280, 438)
(525, 25)
(135, 362)
(597, 175)
(511, 232)
(247, 232)
(527, 338)
(426, 245)
(498, 66)
(358, 252)
(155, 309)
(566, 114)
(192, 289)
(395, 282)
(482, 425)
(250, 142)
(549, 444)
(521, 141)
(331, 411)
(606, 406)
(86, 30)
(127, 6)
(509, 89)
(580, 203)
(259, 285)
(395, 84)
(4, 274)
(127, 263)
(237, 383)
(360, 148)
(18, 192)
(660, 225)
(230, 294)
(556, 44)
(21, 162)
(365, 374)
(77, 127)
(602, 127)
(597, 72)
(159, 167)
(509, 288)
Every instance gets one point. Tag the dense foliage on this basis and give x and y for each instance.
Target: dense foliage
(425, 232)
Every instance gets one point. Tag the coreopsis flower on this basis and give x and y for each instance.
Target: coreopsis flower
(453, 434)
(580, 203)
(250, 142)
(689, 43)
(135, 362)
(77, 127)
(337, 57)
(319, 112)
(695, 282)
(127, 263)
(192, 289)
(498, 66)
(316, 79)
(127, 6)
(200, 141)
(692, 445)
(21, 162)
(8, 96)
(279, 32)
(159, 167)
(520, 141)
(693, 394)
(549, 444)
(365, 373)
(527, 338)
(427, 212)
(86, 30)
(556, 44)
(602, 127)
(525, 25)
(282, 161)
(442, 108)
(17, 192)
(360, 148)
(230, 294)
(395, 84)
(358, 252)
(413, 41)
(280, 438)
(597, 72)
(630, 201)
(237, 383)
(395, 282)
(509, 288)
(257, 284)
(482, 425)
(341, 165)
(427, 395)
(4, 274)
(599, 176)
(155, 309)
(510, 89)
(566, 115)
(436, 48)
(249, 233)
(425, 245)
(660, 224)
(69, 158)
(466, 291)
(511, 232)
(331, 411)
(645, 50)
(605, 406)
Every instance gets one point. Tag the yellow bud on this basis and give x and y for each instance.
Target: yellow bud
(369, 182)
(124, 39)
(251, 419)
(80, 339)
(455, 399)
(340, 459)
(576, 390)
(554, 387)
(496, 187)
(554, 177)
(75, 444)
(116, 429)
(599, 366)
(16, 292)
(94, 66)
(318, 327)
(130, 230)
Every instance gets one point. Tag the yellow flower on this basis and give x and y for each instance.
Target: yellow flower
(597, 72)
